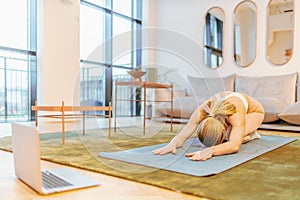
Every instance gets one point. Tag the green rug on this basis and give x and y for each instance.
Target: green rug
(274, 175)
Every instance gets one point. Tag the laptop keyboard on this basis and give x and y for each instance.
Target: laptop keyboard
(52, 181)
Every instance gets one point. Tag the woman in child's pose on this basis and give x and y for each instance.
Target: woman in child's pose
(222, 123)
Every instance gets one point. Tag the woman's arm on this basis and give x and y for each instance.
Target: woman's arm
(185, 133)
(237, 122)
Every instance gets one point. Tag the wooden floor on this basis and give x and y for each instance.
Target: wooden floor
(11, 188)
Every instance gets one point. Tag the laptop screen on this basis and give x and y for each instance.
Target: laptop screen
(26, 151)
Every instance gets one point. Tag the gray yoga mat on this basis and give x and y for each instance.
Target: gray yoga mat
(181, 164)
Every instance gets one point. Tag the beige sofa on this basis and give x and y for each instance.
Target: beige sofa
(278, 94)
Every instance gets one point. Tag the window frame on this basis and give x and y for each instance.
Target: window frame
(31, 53)
(136, 24)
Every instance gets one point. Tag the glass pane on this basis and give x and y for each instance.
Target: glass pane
(122, 7)
(136, 44)
(14, 86)
(92, 84)
(92, 24)
(2, 88)
(122, 42)
(13, 23)
(125, 108)
(120, 74)
(97, 2)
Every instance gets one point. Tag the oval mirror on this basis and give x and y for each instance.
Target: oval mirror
(213, 37)
(280, 31)
(245, 33)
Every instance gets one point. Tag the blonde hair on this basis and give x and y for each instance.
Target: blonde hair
(211, 130)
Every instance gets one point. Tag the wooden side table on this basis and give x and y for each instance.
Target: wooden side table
(144, 86)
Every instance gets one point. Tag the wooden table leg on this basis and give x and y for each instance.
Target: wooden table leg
(63, 123)
(109, 119)
(83, 125)
(36, 115)
(115, 107)
(145, 108)
(172, 107)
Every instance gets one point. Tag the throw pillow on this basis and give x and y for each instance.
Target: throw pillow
(183, 107)
(280, 87)
(207, 87)
(291, 114)
(272, 108)
(165, 94)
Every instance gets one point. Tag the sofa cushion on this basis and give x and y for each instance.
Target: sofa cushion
(281, 88)
(165, 94)
(161, 96)
(207, 87)
(291, 113)
(183, 107)
(272, 108)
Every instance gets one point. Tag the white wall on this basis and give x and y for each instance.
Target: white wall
(179, 38)
(58, 52)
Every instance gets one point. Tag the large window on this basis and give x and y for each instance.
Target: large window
(109, 40)
(17, 59)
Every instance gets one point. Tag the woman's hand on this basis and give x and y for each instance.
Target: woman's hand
(204, 154)
(169, 148)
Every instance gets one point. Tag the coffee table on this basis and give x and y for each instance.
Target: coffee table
(63, 109)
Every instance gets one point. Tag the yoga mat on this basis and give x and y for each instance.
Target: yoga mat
(181, 164)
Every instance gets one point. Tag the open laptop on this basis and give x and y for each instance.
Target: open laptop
(26, 152)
